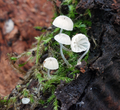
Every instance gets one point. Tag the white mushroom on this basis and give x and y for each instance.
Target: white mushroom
(80, 43)
(51, 64)
(25, 100)
(63, 22)
(8, 26)
(63, 39)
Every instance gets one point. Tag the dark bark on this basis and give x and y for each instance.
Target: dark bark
(98, 88)
(72, 92)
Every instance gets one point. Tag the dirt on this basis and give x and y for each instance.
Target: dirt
(25, 14)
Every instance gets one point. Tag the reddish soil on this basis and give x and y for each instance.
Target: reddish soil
(25, 14)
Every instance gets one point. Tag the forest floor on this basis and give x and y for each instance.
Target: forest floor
(94, 85)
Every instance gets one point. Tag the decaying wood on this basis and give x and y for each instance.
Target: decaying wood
(69, 94)
(102, 90)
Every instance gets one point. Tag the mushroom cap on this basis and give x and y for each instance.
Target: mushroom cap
(25, 100)
(51, 63)
(80, 43)
(63, 22)
(63, 39)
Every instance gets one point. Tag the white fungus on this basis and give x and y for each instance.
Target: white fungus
(63, 39)
(80, 43)
(51, 64)
(25, 100)
(63, 22)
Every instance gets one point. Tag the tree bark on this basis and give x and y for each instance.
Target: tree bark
(99, 87)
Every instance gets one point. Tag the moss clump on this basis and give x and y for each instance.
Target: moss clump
(36, 85)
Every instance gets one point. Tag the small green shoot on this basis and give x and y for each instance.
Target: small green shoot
(38, 46)
(20, 65)
(13, 58)
(55, 103)
(42, 102)
(31, 98)
(88, 12)
(25, 93)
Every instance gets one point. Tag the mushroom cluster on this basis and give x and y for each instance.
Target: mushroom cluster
(65, 23)
(79, 43)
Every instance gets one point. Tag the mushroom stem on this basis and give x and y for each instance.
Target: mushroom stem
(49, 73)
(66, 49)
(61, 30)
(61, 52)
(79, 60)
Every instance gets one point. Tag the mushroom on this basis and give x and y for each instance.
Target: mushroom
(63, 22)
(63, 39)
(51, 64)
(80, 43)
(25, 100)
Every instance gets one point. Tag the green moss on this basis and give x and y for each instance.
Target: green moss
(81, 25)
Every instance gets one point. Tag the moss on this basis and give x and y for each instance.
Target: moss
(81, 24)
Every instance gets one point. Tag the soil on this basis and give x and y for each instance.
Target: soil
(25, 14)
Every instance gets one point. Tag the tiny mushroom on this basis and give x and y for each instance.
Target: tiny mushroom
(80, 43)
(51, 64)
(63, 22)
(63, 39)
(25, 100)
